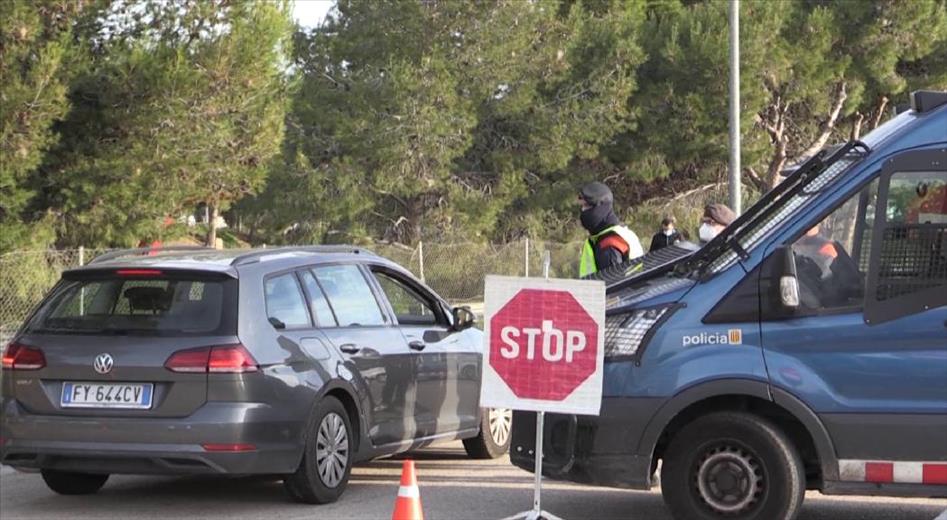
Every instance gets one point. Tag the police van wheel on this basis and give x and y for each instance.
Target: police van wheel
(493, 441)
(732, 465)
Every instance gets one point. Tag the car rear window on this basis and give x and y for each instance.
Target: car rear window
(169, 305)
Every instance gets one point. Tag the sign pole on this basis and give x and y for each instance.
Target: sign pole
(537, 512)
(735, 189)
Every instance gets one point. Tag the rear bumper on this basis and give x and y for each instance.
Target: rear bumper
(171, 446)
(598, 450)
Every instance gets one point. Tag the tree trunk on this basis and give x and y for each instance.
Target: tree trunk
(776, 164)
(828, 125)
(857, 127)
(882, 104)
(773, 120)
(415, 216)
(212, 224)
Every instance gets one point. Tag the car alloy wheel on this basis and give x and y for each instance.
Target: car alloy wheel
(332, 450)
(501, 422)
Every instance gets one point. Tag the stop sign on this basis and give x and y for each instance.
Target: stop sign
(542, 344)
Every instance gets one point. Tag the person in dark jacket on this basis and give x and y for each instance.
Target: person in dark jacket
(610, 243)
(668, 236)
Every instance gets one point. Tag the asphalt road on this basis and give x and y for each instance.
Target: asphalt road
(452, 487)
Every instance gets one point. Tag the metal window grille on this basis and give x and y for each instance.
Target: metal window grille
(913, 258)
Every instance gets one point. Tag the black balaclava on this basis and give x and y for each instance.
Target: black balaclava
(600, 215)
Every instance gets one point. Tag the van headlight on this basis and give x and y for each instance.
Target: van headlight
(626, 333)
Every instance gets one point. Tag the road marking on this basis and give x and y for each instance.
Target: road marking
(942, 516)
(7, 470)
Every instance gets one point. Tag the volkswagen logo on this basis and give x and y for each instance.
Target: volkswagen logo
(103, 363)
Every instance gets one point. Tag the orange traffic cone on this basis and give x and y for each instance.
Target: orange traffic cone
(408, 504)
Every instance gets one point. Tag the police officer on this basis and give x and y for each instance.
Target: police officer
(609, 243)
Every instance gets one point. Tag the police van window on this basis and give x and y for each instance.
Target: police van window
(832, 255)
(410, 307)
(284, 302)
(350, 296)
(913, 254)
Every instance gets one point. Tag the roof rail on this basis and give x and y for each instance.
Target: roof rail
(256, 254)
(141, 251)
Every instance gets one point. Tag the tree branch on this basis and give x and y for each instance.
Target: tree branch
(828, 125)
(857, 127)
(757, 181)
(881, 110)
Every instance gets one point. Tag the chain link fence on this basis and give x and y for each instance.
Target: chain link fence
(26, 276)
(455, 271)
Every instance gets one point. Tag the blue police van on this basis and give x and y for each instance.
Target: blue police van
(805, 347)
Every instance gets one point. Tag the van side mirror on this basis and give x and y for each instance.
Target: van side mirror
(464, 318)
(788, 281)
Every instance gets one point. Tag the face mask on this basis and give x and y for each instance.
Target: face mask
(668, 232)
(597, 217)
(707, 232)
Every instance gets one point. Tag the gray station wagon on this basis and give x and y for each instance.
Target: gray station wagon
(295, 362)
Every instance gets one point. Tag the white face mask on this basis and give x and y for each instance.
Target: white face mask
(668, 232)
(707, 232)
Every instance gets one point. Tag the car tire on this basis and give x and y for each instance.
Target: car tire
(328, 455)
(733, 465)
(493, 441)
(72, 483)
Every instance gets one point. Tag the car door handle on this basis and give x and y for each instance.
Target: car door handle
(349, 348)
(417, 345)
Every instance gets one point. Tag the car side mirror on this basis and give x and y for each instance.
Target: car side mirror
(788, 281)
(464, 318)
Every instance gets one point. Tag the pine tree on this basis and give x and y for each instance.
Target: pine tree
(35, 46)
(184, 105)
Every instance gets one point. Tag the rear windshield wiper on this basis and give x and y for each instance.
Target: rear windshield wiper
(125, 331)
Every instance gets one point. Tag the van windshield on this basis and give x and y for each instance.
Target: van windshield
(157, 306)
(752, 227)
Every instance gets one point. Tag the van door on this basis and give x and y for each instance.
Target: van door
(866, 348)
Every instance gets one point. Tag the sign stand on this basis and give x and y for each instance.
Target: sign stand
(537, 512)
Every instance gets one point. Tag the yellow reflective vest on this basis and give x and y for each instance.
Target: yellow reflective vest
(587, 264)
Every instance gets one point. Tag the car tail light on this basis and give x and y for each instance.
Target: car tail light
(22, 357)
(231, 358)
(228, 447)
(226, 359)
(191, 360)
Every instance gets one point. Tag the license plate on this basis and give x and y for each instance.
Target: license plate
(107, 395)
